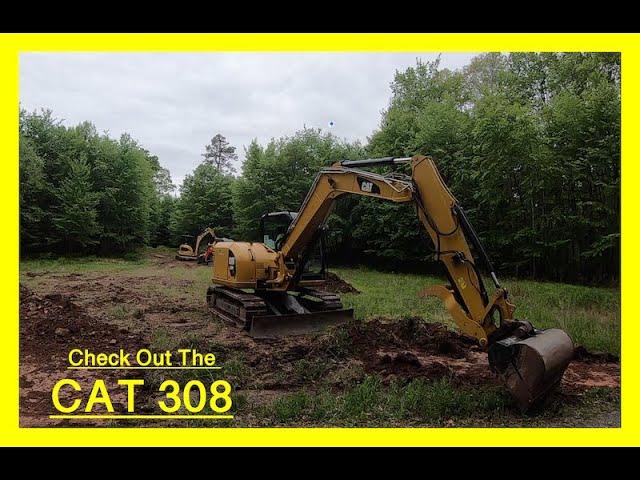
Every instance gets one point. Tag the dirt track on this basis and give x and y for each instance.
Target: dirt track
(76, 310)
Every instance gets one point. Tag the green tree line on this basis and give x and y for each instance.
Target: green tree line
(81, 191)
(529, 143)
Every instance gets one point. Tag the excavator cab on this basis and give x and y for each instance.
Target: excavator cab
(273, 227)
(273, 230)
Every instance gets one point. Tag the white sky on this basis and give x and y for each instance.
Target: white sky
(173, 103)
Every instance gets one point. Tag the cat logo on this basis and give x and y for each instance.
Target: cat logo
(368, 186)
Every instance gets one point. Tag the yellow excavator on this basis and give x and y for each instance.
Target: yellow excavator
(188, 253)
(269, 289)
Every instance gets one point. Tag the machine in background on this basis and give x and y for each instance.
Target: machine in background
(186, 252)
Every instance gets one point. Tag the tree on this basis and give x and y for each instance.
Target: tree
(529, 143)
(75, 217)
(162, 216)
(485, 74)
(220, 154)
(277, 177)
(205, 201)
(162, 181)
(33, 188)
(107, 208)
(161, 176)
(427, 114)
(582, 123)
(124, 176)
(510, 170)
(163, 204)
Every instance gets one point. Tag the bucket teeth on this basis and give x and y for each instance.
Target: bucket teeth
(532, 367)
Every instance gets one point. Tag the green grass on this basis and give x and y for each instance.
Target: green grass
(162, 340)
(81, 264)
(305, 370)
(291, 407)
(591, 315)
(237, 372)
(428, 403)
(119, 311)
(419, 401)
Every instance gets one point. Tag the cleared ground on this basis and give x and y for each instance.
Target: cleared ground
(397, 364)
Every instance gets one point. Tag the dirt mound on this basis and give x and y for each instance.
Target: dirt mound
(409, 333)
(337, 285)
(170, 260)
(582, 354)
(403, 350)
(52, 324)
(410, 348)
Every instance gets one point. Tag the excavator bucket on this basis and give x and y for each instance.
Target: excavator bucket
(532, 367)
(273, 326)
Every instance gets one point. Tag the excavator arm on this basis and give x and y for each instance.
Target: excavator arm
(204, 234)
(466, 298)
(531, 361)
(188, 253)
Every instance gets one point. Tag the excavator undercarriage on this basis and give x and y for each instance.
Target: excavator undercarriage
(267, 288)
(275, 314)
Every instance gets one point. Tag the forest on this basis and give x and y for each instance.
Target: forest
(529, 143)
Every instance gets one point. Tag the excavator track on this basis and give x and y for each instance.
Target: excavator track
(236, 306)
(275, 314)
(328, 300)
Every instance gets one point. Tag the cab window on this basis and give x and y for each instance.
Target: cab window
(274, 228)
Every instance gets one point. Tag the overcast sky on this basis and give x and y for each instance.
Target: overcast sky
(174, 103)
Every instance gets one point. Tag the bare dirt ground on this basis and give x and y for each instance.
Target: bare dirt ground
(50, 326)
(106, 311)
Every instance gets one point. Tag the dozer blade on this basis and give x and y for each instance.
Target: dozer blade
(532, 367)
(272, 326)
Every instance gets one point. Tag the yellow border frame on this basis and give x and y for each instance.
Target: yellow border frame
(11, 45)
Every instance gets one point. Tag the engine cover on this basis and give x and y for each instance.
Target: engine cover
(243, 264)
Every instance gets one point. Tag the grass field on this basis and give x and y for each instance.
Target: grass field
(155, 292)
(590, 315)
